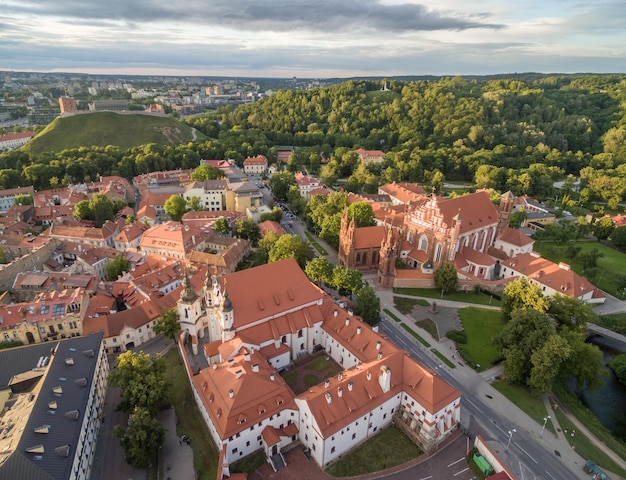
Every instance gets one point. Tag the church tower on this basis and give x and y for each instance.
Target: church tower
(504, 212)
(190, 312)
(228, 318)
(389, 249)
(346, 240)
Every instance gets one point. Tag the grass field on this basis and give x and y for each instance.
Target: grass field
(480, 326)
(108, 128)
(430, 327)
(205, 456)
(468, 297)
(315, 244)
(415, 335)
(385, 450)
(610, 265)
(520, 396)
(392, 315)
(616, 322)
(406, 305)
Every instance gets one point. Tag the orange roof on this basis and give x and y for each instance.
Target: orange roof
(242, 392)
(268, 291)
(366, 237)
(515, 237)
(271, 226)
(403, 192)
(258, 160)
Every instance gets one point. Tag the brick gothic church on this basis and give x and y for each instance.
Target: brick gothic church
(460, 230)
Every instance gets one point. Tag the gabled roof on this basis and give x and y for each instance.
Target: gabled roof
(268, 290)
(515, 237)
(476, 210)
(366, 237)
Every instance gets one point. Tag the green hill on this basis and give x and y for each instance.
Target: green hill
(108, 128)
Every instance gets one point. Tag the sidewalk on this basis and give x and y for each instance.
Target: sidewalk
(177, 456)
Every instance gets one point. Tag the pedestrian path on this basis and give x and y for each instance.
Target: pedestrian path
(177, 455)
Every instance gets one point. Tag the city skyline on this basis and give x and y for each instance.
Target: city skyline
(323, 39)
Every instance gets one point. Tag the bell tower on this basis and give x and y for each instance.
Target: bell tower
(389, 249)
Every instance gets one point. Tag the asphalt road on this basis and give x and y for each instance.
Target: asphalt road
(527, 454)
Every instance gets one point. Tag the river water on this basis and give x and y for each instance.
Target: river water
(609, 402)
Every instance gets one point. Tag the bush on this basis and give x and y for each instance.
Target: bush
(458, 336)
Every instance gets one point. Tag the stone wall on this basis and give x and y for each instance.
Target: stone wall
(32, 261)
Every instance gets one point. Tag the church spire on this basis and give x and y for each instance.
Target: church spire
(187, 295)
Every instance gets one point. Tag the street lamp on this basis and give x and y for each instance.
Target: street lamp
(545, 420)
(511, 432)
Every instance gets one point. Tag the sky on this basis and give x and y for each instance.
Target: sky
(313, 38)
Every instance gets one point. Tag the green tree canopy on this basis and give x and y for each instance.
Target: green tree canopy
(142, 380)
(206, 172)
(175, 207)
(368, 305)
(248, 229)
(346, 280)
(280, 183)
(362, 214)
(571, 312)
(289, 245)
(546, 364)
(603, 228)
(167, 324)
(319, 270)
(446, 277)
(116, 267)
(618, 365)
(618, 236)
(141, 439)
(520, 295)
(222, 226)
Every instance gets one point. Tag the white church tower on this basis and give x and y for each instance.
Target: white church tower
(191, 315)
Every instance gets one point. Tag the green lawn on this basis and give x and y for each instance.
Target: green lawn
(249, 464)
(586, 448)
(320, 364)
(443, 358)
(406, 305)
(612, 264)
(587, 418)
(480, 326)
(468, 297)
(315, 244)
(392, 315)
(291, 378)
(430, 327)
(205, 455)
(520, 396)
(385, 450)
(414, 334)
(615, 322)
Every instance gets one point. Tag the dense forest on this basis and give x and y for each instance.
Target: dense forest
(517, 134)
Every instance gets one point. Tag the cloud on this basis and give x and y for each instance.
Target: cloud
(268, 15)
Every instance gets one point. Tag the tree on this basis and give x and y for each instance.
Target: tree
(362, 214)
(206, 172)
(175, 207)
(446, 277)
(103, 209)
(130, 219)
(368, 305)
(116, 266)
(520, 295)
(585, 362)
(141, 440)
(571, 312)
(23, 199)
(268, 241)
(142, 380)
(603, 227)
(618, 365)
(3, 257)
(248, 229)
(618, 236)
(346, 280)
(222, 226)
(280, 184)
(83, 211)
(517, 218)
(546, 364)
(167, 324)
(590, 258)
(290, 246)
(572, 250)
(194, 203)
(319, 270)
(526, 332)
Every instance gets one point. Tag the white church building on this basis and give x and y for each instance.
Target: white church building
(258, 321)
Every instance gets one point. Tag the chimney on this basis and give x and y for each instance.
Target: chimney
(238, 373)
(350, 312)
(246, 357)
(326, 383)
(375, 329)
(328, 397)
(335, 313)
(369, 375)
(339, 391)
(214, 366)
(272, 376)
(231, 393)
(379, 344)
(350, 384)
(380, 355)
(384, 379)
(255, 367)
(347, 321)
(358, 330)
(340, 376)
(231, 362)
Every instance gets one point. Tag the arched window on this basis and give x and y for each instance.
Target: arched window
(438, 253)
(423, 243)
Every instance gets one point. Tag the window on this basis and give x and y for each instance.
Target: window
(235, 450)
(300, 334)
(332, 450)
(353, 436)
(60, 326)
